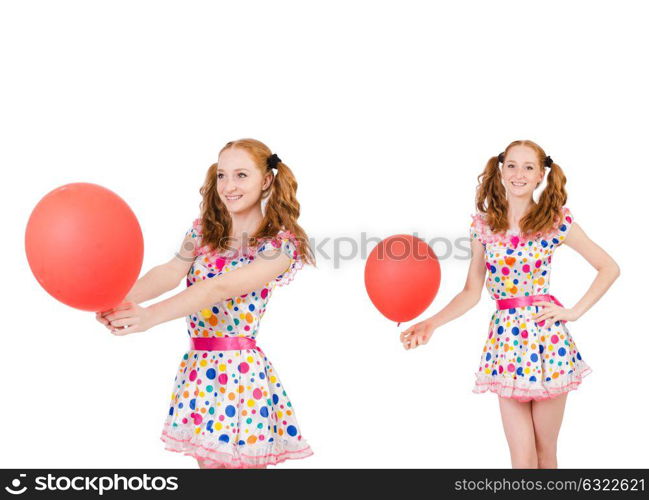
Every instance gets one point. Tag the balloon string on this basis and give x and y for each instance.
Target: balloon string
(398, 324)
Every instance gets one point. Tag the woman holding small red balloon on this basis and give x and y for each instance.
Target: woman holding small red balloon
(529, 359)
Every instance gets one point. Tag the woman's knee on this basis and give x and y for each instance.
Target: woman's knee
(524, 458)
(546, 455)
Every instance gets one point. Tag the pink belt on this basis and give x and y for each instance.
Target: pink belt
(222, 343)
(526, 300)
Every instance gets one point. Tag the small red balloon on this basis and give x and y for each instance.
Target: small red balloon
(402, 276)
(84, 245)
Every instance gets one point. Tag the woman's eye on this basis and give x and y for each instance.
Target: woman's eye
(219, 176)
(241, 173)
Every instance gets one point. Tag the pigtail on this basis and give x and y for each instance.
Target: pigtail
(282, 210)
(553, 197)
(215, 220)
(491, 198)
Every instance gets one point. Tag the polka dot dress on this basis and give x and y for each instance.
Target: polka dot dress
(229, 408)
(522, 359)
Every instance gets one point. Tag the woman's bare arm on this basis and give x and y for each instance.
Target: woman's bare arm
(164, 277)
(470, 294)
(203, 294)
(420, 333)
(607, 269)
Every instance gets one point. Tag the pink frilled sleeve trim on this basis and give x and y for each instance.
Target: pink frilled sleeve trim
(289, 244)
(481, 229)
(197, 233)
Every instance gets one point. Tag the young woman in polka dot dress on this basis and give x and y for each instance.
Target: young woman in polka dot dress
(529, 359)
(228, 406)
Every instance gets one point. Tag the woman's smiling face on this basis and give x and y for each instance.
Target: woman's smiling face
(239, 181)
(521, 172)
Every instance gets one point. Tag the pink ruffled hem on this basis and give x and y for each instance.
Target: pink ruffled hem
(486, 235)
(526, 391)
(218, 454)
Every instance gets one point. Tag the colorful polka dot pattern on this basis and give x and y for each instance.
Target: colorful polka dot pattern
(523, 359)
(229, 408)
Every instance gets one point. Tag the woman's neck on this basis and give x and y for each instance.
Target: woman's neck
(516, 210)
(245, 224)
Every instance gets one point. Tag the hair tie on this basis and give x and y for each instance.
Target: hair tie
(272, 161)
(548, 161)
(501, 157)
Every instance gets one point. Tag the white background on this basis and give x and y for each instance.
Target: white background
(387, 112)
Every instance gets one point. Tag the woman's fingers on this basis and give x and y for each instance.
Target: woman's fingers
(102, 320)
(120, 307)
(414, 337)
(407, 343)
(123, 313)
(409, 333)
(127, 321)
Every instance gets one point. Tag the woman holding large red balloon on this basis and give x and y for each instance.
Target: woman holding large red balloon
(529, 359)
(233, 257)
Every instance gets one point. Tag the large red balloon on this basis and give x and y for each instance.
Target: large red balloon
(84, 246)
(402, 276)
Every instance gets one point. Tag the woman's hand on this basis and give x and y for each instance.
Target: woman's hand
(418, 334)
(128, 317)
(553, 312)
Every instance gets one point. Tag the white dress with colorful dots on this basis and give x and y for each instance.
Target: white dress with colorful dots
(229, 408)
(522, 359)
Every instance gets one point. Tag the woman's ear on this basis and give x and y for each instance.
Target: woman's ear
(268, 180)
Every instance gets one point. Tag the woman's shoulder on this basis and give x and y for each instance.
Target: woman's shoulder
(566, 215)
(478, 219)
(282, 238)
(289, 245)
(196, 233)
(562, 225)
(562, 221)
(480, 229)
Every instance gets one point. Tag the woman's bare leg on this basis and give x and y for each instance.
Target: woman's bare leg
(547, 416)
(519, 430)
